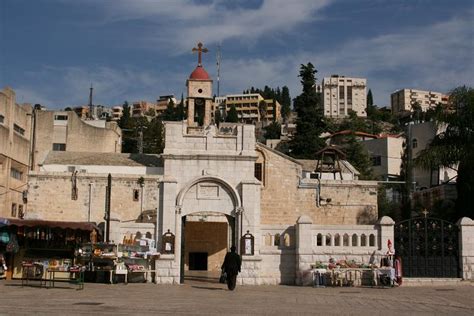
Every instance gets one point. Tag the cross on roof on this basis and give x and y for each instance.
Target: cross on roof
(200, 50)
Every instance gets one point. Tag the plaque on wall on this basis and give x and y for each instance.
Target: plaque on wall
(247, 244)
(167, 245)
(208, 191)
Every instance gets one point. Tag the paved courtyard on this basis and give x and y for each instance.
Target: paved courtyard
(212, 298)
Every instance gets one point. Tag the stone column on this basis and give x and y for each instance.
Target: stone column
(165, 218)
(207, 112)
(190, 112)
(303, 249)
(386, 232)
(466, 247)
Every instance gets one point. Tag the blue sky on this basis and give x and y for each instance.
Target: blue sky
(51, 50)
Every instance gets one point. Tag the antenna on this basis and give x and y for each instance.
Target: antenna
(218, 62)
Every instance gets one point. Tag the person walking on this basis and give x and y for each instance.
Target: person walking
(231, 267)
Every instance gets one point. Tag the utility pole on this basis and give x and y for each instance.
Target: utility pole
(218, 62)
(91, 107)
(108, 194)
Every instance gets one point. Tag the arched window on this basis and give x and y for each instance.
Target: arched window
(337, 240)
(328, 240)
(259, 170)
(414, 143)
(138, 235)
(363, 240)
(345, 240)
(276, 241)
(286, 240)
(148, 235)
(319, 240)
(372, 240)
(354, 240)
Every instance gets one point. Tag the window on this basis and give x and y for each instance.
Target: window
(349, 95)
(414, 143)
(341, 92)
(20, 211)
(2, 119)
(319, 240)
(18, 129)
(259, 171)
(136, 195)
(376, 160)
(59, 147)
(276, 241)
(13, 210)
(15, 173)
(60, 117)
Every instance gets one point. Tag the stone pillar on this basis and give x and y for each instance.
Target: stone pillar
(466, 248)
(207, 112)
(165, 218)
(386, 231)
(303, 249)
(251, 216)
(190, 112)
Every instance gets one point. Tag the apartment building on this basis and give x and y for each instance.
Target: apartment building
(143, 108)
(249, 109)
(162, 103)
(342, 94)
(117, 112)
(15, 131)
(402, 101)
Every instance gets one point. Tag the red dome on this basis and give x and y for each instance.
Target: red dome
(199, 74)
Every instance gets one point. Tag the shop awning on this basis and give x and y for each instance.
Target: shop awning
(52, 224)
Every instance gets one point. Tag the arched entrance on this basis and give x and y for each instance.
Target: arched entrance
(208, 208)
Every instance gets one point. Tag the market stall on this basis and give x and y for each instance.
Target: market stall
(44, 245)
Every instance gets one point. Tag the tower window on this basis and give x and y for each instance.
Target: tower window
(414, 143)
(259, 171)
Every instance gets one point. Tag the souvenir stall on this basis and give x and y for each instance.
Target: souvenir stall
(130, 261)
(38, 246)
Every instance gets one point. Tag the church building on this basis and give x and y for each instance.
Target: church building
(214, 187)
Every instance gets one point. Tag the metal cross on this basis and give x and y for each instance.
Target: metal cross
(200, 50)
(425, 212)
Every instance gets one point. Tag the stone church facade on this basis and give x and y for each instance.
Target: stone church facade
(214, 187)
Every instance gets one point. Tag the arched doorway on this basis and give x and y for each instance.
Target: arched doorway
(208, 227)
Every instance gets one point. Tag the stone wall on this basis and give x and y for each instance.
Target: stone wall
(285, 196)
(50, 197)
(322, 242)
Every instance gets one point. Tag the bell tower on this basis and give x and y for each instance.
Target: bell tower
(199, 90)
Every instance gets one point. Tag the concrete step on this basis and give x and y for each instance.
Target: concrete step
(434, 282)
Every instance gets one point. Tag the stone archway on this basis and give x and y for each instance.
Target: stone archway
(207, 208)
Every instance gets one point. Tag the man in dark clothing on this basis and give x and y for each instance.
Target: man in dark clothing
(231, 267)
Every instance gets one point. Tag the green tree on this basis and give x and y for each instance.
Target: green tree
(180, 112)
(125, 120)
(232, 116)
(455, 146)
(285, 103)
(272, 131)
(370, 98)
(310, 122)
(170, 113)
(153, 137)
(218, 116)
(358, 156)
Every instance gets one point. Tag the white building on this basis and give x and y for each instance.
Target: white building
(404, 99)
(341, 94)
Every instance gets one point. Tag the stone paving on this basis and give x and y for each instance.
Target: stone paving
(203, 298)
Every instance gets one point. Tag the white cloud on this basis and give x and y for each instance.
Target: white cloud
(181, 23)
(435, 57)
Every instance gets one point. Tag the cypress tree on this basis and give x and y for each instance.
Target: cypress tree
(310, 122)
(232, 116)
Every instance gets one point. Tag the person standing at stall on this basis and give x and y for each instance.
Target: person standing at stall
(231, 267)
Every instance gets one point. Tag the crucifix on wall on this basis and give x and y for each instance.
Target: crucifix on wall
(200, 50)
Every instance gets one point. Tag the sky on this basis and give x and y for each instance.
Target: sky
(52, 50)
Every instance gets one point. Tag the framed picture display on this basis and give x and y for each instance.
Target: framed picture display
(247, 244)
(167, 245)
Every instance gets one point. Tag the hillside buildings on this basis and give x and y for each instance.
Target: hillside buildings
(402, 101)
(342, 94)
